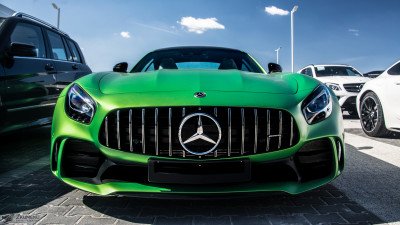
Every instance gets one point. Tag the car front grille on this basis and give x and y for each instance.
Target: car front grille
(356, 87)
(154, 131)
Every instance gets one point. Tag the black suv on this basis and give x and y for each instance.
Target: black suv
(37, 61)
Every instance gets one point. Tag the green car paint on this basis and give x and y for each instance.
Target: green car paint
(167, 87)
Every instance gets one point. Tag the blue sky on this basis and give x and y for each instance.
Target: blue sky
(364, 33)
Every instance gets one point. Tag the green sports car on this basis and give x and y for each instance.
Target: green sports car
(196, 121)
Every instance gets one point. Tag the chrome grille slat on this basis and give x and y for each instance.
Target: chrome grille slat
(130, 131)
(255, 130)
(280, 129)
(143, 132)
(291, 131)
(229, 132)
(243, 131)
(268, 130)
(154, 131)
(118, 132)
(106, 130)
(169, 132)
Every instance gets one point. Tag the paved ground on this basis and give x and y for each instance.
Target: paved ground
(367, 192)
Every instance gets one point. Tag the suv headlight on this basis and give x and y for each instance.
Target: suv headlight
(334, 87)
(79, 105)
(318, 105)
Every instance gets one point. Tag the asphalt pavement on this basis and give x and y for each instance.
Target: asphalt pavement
(366, 193)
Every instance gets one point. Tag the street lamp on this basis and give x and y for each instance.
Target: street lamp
(277, 54)
(58, 14)
(291, 33)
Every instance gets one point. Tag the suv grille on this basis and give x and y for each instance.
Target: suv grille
(353, 87)
(154, 131)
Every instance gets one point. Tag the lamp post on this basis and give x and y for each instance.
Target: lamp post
(291, 33)
(277, 54)
(58, 14)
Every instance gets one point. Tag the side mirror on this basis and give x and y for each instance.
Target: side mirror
(121, 67)
(274, 68)
(20, 49)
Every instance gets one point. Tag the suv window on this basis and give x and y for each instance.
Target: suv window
(308, 71)
(57, 46)
(75, 53)
(29, 34)
(324, 71)
(395, 70)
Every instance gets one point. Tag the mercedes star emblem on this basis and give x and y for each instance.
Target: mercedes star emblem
(199, 134)
(200, 94)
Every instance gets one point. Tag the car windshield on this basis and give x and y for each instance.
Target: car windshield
(325, 71)
(197, 58)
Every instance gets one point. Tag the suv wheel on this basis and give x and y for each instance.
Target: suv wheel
(372, 120)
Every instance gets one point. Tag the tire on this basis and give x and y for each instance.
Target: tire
(372, 118)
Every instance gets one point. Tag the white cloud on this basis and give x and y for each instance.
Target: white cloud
(200, 25)
(354, 32)
(125, 34)
(273, 10)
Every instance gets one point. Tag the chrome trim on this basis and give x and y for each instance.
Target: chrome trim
(30, 107)
(255, 130)
(143, 132)
(130, 131)
(106, 130)
(156, 129)
(268, 130)
(291, 131)
(118, 132)
(243, 131)
(280, 130)
(215, 112)
(183, 112)
(170, 131)
(229, 132)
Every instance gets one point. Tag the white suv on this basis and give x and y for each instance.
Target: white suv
(344, 80)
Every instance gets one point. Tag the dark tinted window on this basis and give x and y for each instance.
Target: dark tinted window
(29, 34)
(57, 46)
(197, 58)
(324, 71)
(75, 53)
(308, 71)
(395, 70)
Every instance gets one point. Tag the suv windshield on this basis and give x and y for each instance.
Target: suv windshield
(197, 58)
(324, 71)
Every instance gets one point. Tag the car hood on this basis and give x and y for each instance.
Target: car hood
(343, 79)
(197, 80)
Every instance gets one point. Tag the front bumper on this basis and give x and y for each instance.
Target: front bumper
(116, 172)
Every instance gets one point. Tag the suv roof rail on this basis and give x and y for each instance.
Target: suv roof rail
(24, 15)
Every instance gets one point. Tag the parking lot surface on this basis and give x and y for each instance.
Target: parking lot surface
(366, 193)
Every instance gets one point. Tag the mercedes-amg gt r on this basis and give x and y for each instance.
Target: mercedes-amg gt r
(195, 121)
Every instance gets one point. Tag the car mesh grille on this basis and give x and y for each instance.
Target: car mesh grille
(356, 87)
(154, 131)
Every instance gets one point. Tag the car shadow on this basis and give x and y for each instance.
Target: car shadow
(327, 204)
(24, 187)
(23, 146)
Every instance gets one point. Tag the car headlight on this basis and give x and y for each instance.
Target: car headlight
(79, 106)
(318, 105)
(334, 87)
